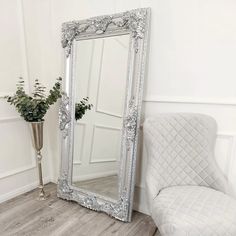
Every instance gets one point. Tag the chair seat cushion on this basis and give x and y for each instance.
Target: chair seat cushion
(194, 211)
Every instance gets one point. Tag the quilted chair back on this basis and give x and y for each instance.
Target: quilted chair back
(180, 149)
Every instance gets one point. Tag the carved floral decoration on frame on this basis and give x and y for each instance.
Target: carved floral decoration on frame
(132, 20)
(64, 115)
(130, 122)
(117, 210)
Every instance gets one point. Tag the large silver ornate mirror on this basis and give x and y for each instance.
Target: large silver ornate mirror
(104, 61)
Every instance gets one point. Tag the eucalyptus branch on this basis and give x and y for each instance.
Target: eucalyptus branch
(81, 108)
(33, 108)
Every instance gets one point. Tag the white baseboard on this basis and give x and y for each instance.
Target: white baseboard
(53, 180)
(22, 190)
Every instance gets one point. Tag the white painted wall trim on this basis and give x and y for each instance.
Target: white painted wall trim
(191, 100)
(24, 50)
(10, 119)
(23, 168)
(79, 162)
(21, 190)
(17, 171)
(91, 160)
(102, 161)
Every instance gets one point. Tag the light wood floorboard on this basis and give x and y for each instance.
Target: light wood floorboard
(26, 216)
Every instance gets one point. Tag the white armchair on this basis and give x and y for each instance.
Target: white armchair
(188, 194)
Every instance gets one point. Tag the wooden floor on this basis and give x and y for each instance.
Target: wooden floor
(26, 216)
(105, 186)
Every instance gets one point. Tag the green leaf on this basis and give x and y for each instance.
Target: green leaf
(34, 108)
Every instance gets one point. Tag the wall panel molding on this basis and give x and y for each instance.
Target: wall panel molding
(191, 100)
(79, 161)
(91, 161)
(25, 75)
(232, 165)
(97, 108)
(24, 168)
(10, 119)
(21, 190)
(226, 155)
(230, 152)
(24, 50)
(17, 171)
(22, 39)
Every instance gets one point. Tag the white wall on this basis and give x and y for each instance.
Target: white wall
(22, 54)
(191, 65)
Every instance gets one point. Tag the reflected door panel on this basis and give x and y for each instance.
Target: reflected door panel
(101, 75)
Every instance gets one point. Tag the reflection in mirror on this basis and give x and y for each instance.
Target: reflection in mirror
(101, 75)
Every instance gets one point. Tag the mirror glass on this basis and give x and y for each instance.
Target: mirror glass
(100, 75)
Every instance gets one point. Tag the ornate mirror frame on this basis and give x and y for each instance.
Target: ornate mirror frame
(135, 23)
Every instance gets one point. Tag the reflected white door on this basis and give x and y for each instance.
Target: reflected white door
(102, 76)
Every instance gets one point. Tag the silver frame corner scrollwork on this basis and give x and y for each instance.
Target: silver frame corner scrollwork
(136, 24)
